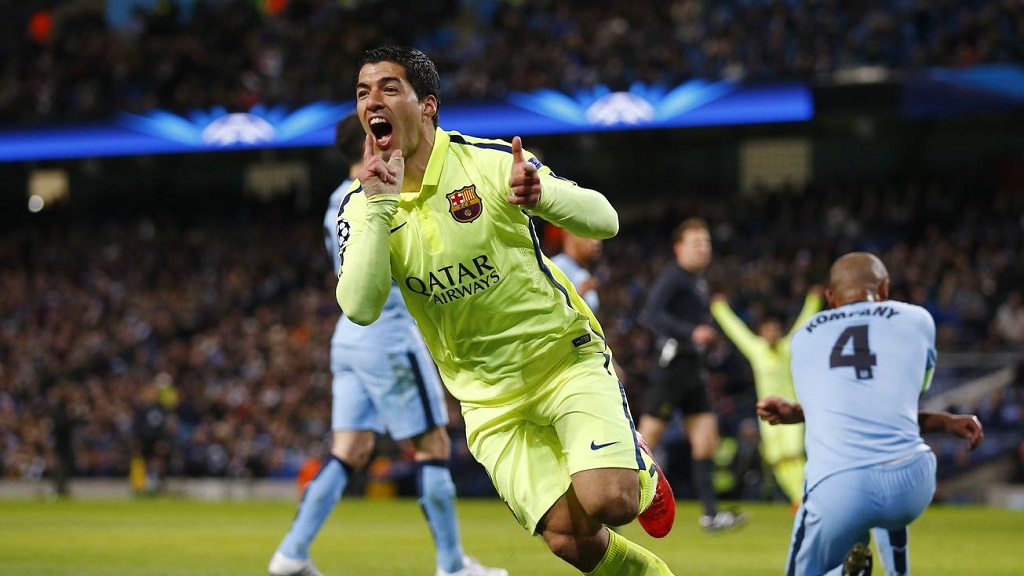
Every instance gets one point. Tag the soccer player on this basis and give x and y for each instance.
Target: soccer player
(859, 370)
(677, 312)
(384, 379)
(575, 259)
(449, 218)
(767, 351)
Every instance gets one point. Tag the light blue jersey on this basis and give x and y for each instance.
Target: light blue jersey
(395, 328)
(859, 371)
(577, 275)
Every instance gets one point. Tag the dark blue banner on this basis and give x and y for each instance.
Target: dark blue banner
(695, 103)
(943, 92)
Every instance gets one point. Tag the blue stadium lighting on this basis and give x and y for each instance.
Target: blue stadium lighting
(258, 128)
(695, 103)
(641, 106)
(943, 92)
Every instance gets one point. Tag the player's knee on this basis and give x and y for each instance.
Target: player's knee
(610, 498)
(355, 452)
(617, 509)
(576, 549)
(433, 444)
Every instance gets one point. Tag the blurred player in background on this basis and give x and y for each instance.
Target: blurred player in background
(577, 255)
(384, 380)
(859, 371)
(449, 217)
(677, 312)
(767, 351)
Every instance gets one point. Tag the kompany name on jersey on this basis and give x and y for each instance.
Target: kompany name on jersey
(455, 281)
(885, 312)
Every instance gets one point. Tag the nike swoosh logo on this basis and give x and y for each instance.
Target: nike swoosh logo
(595, 446)
(399, 226)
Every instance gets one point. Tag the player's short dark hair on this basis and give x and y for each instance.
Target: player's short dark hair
(419, 69)
(693, 223)
(348, 139)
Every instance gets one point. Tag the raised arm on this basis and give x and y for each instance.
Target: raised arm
(732, 325)
(364, 230)
(582, 211)
(812, 305)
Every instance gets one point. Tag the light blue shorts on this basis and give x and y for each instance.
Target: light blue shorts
(395, 391)
(842, 509)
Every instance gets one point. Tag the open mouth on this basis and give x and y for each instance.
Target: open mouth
(382, 131)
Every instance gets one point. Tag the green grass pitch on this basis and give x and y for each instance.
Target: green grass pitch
(170, 537)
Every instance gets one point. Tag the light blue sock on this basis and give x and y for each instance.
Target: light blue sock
(437, 499)
(321, 495)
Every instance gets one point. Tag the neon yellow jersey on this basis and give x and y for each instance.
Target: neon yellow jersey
(496, 314)
(770, 366)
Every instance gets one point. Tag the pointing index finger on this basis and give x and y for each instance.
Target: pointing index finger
(367, 148)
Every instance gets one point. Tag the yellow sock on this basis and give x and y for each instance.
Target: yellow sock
(625, 558)
(648, 483)
(789, 474)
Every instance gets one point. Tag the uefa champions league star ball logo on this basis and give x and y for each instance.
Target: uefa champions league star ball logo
(620, 108)
(238, 128)
(344, 232)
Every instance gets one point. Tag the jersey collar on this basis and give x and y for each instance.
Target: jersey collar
(438, 153)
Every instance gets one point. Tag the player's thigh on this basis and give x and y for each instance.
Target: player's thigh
(693, 390)
(351, 405)
(905, 489)
(664, 393)
(837, 513)
(524, 459)
(591, 417)
(407, 392)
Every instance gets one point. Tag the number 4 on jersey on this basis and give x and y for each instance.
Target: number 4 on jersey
(861, 359)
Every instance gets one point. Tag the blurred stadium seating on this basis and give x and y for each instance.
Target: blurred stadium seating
(173, 285)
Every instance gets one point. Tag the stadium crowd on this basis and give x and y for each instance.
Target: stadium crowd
(67, 61)
(203, 346)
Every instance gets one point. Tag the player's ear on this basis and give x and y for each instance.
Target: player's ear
(829, 297)
(883, 290)
(429, 107)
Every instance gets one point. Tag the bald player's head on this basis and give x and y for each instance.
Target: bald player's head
(856, 277)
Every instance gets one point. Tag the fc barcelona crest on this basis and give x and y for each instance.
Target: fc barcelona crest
(465, 204)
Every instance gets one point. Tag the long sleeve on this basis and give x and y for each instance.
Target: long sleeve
(365, 278)
(582, 211)
(734, 327)
(657, 313)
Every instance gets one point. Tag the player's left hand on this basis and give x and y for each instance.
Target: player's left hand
(967, 427)
(524, 181)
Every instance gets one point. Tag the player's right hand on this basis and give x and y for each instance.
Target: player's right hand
(776, 410)
(380, 177)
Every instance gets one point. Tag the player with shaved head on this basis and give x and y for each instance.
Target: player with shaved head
(859, 370)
